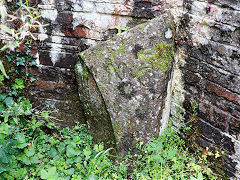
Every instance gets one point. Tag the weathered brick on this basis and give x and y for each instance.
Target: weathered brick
(216, 136)
(220, 91)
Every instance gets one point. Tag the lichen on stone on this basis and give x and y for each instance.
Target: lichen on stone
(99, 52)
(111, 67)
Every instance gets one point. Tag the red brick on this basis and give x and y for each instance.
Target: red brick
(48, 85)
(79, 32)
(220, 91)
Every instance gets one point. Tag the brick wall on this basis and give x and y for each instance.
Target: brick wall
(207, 74)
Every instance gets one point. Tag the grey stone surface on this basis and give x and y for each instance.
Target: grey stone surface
(130, 76)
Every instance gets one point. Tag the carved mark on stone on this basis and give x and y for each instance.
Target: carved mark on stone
(126, 90)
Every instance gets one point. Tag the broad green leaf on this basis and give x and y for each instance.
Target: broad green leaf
(3, 168)
(157, 158)
(200, 176)
(6, 116)
(3, 69)
(9, 101)
(10, 146)
(93, 177)
(26, 160)
(78, 159)
(4, 128)
(52, 174)
(61, 148)
(72, 151)
(34, 159)
(33, 63)
(87, 152)
(6, 29)
(43, 174)
(98, 147)
(71, 171)
(30, 152)
(4, 47)
(52, 153)
(21, 143)
(2, 107)
(3, 12)
(171, 154)
(70, 160)
(193, 178)
(3, 97)
(4, 158)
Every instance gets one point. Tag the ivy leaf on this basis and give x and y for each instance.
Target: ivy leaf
(20, 61)
(9, 58)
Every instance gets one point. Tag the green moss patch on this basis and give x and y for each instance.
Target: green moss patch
(159, 57)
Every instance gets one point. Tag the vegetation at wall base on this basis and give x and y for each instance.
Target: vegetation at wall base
(31, 147)
(29, 151)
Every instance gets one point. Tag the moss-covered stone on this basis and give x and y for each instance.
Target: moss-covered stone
(127, 84)
(160, 56)
(122, 48)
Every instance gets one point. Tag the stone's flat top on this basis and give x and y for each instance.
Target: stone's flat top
(133, 87)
